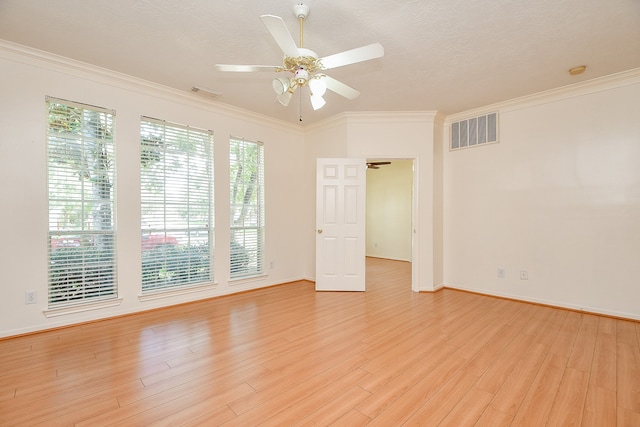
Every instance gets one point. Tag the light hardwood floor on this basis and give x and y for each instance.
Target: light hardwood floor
(287, 355)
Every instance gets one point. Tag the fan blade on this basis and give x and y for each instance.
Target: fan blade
(281, 34)
(247, 68)
(340, 88)
(352, 56)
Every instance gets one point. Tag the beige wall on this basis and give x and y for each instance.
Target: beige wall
(408, 135)
(26, 79)
(404, 135)
(389, 202)
(558, 196)
(327, 140)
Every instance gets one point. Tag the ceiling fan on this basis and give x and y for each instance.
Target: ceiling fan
(376, 165)
(304, 65)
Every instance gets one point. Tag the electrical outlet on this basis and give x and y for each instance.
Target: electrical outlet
(524, 275)
(502, 273)
(271, 263)
(30, 297)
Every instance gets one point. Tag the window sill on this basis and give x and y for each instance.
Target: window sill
(243, 280)
(63, 311)
(151, 296)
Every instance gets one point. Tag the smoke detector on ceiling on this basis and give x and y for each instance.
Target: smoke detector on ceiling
(577, 70)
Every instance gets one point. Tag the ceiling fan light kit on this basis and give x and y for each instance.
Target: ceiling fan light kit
(284, 98)
(304, 64)
(318, 86)
(280, 85)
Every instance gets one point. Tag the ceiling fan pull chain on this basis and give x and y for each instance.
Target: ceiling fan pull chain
(300, 104)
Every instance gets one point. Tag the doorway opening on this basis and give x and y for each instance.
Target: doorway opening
(389, 211)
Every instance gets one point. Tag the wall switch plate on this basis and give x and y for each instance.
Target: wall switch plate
(524, 275)
(30, 297)
(502, 273)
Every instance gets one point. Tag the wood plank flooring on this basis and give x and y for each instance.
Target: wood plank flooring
(287, 355)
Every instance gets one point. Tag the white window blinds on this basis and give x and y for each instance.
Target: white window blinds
(246, 164)
(81, 177)
(177, 205)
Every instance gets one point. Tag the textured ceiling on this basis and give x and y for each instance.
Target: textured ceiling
(445, 55)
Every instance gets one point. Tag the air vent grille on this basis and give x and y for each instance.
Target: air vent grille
(206, 92)
(474, 131)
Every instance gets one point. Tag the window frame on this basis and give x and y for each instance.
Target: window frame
(81, 254)
(170, 262)
(247, 263)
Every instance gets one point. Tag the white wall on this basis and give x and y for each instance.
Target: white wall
(402, 135)
(27, 77)
(328, 139)
(559, 196)
(389, 216)
(407, 135)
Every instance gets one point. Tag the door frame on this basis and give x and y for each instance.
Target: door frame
(414, 213)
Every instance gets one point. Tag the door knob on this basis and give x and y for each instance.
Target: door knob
(320, 231)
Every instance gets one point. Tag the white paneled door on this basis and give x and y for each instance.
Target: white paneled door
(340, 224)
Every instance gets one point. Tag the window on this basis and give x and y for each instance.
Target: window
(81, 176)
(246, 164)
(177, 205)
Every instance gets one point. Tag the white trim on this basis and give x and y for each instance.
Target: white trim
(426, 116)
(598, 84)
(328, 123)
(73, 309)
(436, 288)
(581, 308)
(61, 64)
(415, 226)
(349, 117)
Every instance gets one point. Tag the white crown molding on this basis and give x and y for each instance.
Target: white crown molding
(351, 117)
(328, 123)
(47, 60)
(53, 62)
(391, 116)
(598, 84)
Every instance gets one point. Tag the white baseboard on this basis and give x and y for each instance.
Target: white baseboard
(550, 303)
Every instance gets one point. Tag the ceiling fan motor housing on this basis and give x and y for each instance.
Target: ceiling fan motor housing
(301, 11)
(301, 76)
